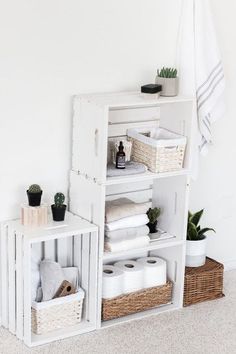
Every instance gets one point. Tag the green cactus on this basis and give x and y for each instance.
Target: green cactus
(59, 199)
(170, 73)
(34, 188)
(153, 214)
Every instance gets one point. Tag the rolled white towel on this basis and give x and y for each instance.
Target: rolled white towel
(130, 232)
(130, 221)
(123, 245)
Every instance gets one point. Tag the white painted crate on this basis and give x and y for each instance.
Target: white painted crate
(73, 242)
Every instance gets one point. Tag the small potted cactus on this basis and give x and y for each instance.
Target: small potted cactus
(167, 78)
(153, 215)
(34, 195)
(58, 208)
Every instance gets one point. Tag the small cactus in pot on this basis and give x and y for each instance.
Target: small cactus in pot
(58, 208)
(34, 194)
(153, 215)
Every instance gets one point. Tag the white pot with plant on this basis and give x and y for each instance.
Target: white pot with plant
(196, 241)
(167, 78)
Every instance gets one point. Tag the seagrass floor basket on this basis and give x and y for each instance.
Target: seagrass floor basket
(136, 302)
(203, 283)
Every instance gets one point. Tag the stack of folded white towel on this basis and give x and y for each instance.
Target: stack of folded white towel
(125, 225)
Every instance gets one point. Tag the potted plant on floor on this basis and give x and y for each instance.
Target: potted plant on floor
(169, 81)
(196, 241)
(34, 194)
(58, 208)
(153, 215)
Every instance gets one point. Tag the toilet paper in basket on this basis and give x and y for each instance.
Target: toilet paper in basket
(154, 271)
(112, 282)
(133, 275)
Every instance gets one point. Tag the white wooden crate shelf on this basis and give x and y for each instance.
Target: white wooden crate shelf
(98, 118)
(144, 177)
(138, 315)
(73, 242)
(152, 246)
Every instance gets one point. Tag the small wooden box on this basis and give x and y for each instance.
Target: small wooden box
(203, 283)
(34, 216)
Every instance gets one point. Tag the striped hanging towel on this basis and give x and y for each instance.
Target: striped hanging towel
(200, 67)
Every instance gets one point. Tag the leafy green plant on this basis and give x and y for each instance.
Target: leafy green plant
(153, 214)
(194, 231)
(34, 188)
(59, 199)
(170, 73)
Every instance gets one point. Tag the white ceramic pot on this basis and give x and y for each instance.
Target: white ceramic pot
(170, 86)
(196, 253)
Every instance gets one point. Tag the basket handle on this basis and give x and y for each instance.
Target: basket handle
(171, 147)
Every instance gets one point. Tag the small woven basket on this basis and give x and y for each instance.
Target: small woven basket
(203, 283)
(160, 150)
(57, 313)
(135, 302)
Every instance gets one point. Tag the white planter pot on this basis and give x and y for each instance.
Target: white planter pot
(196, 253)
(170, 86)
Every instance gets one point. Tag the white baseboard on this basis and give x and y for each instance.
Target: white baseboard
(230, 265)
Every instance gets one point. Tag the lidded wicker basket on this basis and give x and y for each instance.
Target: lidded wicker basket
(159, 149)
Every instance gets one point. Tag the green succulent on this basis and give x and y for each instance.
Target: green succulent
(170, 73)
(194, 230)
(153, 214)
(59, 199)
(34, 188)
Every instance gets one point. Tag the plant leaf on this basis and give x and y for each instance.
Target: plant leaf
(195, 218)
(204, 230)
(192, 233)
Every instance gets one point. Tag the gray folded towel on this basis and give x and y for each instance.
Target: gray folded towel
(51, 278)
(52, 275)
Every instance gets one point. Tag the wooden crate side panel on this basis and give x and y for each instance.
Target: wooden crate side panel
(178, 117)
(171, 195)
(4, 276)
(90, 139)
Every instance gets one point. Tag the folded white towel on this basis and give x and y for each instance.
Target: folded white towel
(123, 245)
(130, 232)
(130, 221)
(124, 207)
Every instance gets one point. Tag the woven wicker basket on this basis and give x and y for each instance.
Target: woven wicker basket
(57, 313)
(203, 283)
(160, 150)
(135, 302)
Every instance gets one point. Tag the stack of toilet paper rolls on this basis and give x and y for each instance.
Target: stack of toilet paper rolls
(129, 276)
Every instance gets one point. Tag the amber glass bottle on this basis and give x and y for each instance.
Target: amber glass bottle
(120, 157)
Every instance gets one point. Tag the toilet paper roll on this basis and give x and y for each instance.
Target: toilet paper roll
(133, 275)
(112, 282)
(154, 271)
